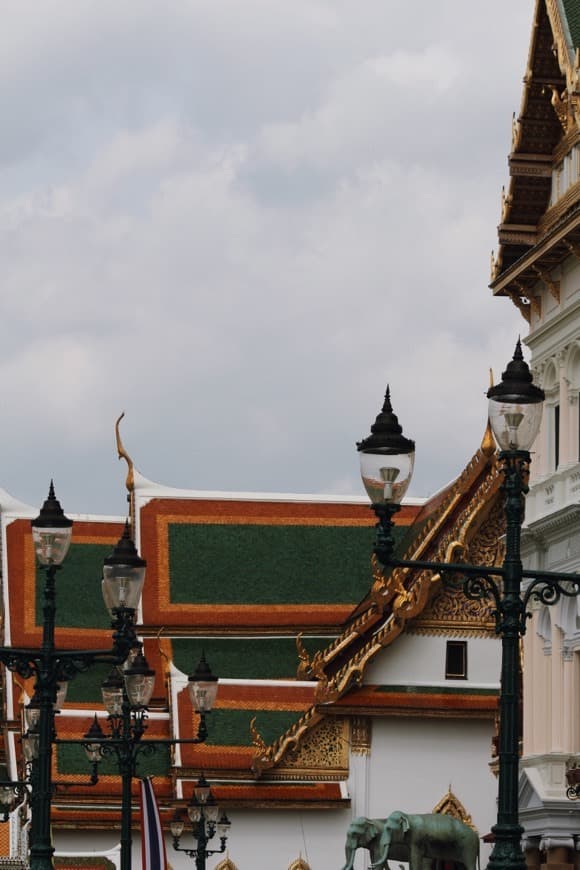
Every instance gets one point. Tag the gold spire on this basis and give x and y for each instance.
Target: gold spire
(488, 441)
(130, 479)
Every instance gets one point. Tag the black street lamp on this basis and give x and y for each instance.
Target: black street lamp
(206, 821)
(52, 667)
(126, 695)
(515, 411)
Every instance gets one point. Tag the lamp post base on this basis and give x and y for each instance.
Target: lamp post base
(507, 852)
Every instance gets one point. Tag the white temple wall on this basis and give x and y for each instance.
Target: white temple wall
(412, 764)
(419, 660)
(551, 541)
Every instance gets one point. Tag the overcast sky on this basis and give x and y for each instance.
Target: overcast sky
(236, 220)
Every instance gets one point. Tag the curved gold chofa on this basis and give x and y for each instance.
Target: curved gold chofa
(130, 479)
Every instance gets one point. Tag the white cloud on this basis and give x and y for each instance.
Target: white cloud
(237, 221)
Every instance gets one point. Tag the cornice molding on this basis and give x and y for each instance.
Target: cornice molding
(560, 519)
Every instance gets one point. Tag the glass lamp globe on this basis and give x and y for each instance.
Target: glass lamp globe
(212, 810)
(61, 690)
(139, 682)
(123, 575)
(112, 689)
(223, 826)
(32, 713)
(94, 751)
(30, 745)
(51, 531)
(194, 810)
(202, 790)
(386, 458)
(8, 801)
(176, 825)
(202, 686)
(515, 405)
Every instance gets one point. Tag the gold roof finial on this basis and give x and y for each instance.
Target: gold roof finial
(488, 441)
(130, 479)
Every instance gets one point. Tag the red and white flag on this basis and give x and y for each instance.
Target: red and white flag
(152, 840)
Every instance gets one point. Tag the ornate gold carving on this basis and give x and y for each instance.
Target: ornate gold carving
(305, 663)
(263, 750)
(553, 286)
(226, 864)
(553, 214)
(308, 668)
(488, 441)
(506, 201)
(574, 249)
(562, 106)
(516, 131)
(523, 307)
(449, 610)
(299, 864)
(130, 479)
(495, 266)
(450, 805)
(325, 747)
(360, 735)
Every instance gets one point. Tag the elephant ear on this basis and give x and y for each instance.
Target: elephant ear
(404, 823)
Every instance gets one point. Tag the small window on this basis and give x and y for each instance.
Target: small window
(456, 660)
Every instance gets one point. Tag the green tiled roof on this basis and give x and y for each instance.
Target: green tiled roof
(256, 564)
(72, 760)
(79, 599)
(572, 12)
(270, 658)
(86, 688)
(228, 727)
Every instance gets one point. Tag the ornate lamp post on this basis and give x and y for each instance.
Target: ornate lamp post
(515, 410)
(52, 667)
(126, 695)
(206, 821)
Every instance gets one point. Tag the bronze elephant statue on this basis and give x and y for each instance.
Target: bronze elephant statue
(413, 838)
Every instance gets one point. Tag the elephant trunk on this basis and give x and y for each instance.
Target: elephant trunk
(349, 851)
(381, 859)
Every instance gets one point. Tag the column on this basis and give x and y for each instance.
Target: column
(565, 452)
(529, 642)
(573, 426)
(556, 742)
(559, 853)
(569, 701)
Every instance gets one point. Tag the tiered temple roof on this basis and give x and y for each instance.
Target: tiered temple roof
(540, 213)
(284, 597)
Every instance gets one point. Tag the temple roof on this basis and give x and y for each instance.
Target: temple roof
(285, 599)
(540, 213)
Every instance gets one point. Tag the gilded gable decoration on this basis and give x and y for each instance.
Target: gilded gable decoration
(450, 805)
(450, 611)
(323, 752)
(299, 864)
(361, 735)
(226, 864)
